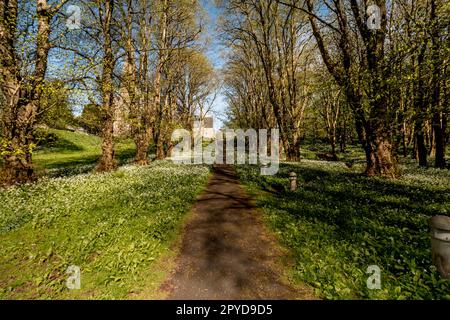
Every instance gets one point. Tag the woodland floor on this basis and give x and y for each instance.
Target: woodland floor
(130, 232)
(226, 251)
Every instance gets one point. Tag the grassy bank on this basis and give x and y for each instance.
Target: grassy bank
(74, 153)
(339, 222)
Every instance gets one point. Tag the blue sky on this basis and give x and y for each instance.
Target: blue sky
(214, 53)
(214, 49)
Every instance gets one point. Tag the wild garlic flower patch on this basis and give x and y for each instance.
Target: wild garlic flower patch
(338, 222)
(112, 225)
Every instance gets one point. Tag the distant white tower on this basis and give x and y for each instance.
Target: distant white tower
(205, 128)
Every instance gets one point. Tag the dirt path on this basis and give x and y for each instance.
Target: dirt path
(226, 253)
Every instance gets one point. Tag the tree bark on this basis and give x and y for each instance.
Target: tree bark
(438, 121)
(107, 162)
(142, 141)
(422, 152)
(137, 82)
(439, 136)
(162, 43)
(22, 96)
(292, 149)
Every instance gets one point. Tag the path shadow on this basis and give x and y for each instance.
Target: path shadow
(226, 253)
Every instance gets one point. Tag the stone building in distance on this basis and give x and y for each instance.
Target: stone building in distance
(205, 128)
(121, 126)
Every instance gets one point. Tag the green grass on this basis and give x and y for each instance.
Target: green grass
(339, 222)
(117, 227)
(353, 153)
(74, 153)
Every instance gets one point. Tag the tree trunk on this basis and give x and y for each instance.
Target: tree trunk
(404, 142)
(438, 122)
(107, 162)
(162, 42)
(333, 145)
(142, 141)
(380, 158)
(292, 148)
(439, 136)
(159, 147)
(17, 168)
(420, 145)
(22, 96)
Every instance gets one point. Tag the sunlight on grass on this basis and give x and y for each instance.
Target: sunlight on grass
(118, 227)
(339, 222)
(73, 150)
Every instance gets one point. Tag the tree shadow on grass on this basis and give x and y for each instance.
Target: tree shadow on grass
(341, 190)
(375, 218)
(80, 163)
(61, 145)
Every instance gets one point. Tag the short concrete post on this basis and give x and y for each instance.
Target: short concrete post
(293, 181)
(440, 244)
